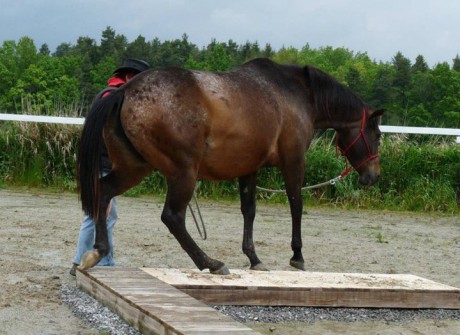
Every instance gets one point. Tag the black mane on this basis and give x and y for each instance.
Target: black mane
(329, 96)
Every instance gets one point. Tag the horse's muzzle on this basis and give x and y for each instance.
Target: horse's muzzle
(368, 179)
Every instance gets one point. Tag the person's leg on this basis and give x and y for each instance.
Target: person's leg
(111, 220)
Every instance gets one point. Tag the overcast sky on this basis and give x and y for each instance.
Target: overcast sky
(379, 27)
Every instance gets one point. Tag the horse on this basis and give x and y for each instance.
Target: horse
(196, 125)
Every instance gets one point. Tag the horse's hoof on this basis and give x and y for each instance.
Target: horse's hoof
(297, 264)
(223, 270)
(89, 259)
(259, 267)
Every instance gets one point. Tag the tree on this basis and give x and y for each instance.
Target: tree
(62, 50)
(420, 65)
(217, 58)
(268, 51)
(139, 48)
(333, 60)
(176, 52)
(382, 92)
(108, 42)
(8, 72)
(421, 91)
(26, 54)
(402, 75)
(288, 56)
(401, 81)
(44, 50)
(354, 81)
(445, 104)
(418, 115)
(456, 64)
(46, 86)
(101, 72)
(87, 48)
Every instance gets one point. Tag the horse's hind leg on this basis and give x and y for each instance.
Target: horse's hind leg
(180, 192)
(115, 183)
(247, 186)
(101, 246)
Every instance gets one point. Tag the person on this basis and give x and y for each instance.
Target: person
(130, 68)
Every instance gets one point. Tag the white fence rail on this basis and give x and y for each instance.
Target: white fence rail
(40, 118)
(383, 129)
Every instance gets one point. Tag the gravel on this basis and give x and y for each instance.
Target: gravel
(268, 314)
(89, 309)
(101, 318)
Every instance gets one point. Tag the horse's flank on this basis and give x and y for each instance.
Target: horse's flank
(237, 120)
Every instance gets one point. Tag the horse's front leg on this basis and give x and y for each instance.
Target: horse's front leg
(180, 192)
(293, 178)
(248, 209)
(295, 202)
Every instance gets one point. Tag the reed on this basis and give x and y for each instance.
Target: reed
(38, 154)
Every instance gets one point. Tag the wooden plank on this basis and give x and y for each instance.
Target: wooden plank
(155, 307)
(297, 288)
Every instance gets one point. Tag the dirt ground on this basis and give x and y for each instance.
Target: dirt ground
(38, 233)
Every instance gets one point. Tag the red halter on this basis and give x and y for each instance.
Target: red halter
(370, 156)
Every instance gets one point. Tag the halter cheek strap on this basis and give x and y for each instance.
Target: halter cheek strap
(369, 157)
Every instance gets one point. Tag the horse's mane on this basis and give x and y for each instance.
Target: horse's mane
(329, 96)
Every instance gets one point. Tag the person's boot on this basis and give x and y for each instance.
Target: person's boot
(73, 270)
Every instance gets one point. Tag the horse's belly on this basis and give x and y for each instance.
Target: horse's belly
(232, 161)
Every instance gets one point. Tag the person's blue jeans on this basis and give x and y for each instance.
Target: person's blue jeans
(87, 234)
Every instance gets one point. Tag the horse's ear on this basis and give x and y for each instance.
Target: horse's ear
(378, 112)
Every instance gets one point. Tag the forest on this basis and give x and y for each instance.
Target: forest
(36, 80)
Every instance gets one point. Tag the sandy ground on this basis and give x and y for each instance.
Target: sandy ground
(38, 233)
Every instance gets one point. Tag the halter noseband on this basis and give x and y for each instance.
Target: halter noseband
(369, 157)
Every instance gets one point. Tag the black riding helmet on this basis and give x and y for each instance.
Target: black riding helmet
(133, 65)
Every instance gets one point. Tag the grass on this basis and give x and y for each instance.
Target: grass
(380, 238)
(417, 174)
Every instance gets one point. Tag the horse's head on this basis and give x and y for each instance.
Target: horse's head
(360, 146)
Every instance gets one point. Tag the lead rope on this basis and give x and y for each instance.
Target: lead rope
(199, 221)
(203, 233)
(332, 182)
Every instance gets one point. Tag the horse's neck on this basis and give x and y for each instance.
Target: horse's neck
(337, 121)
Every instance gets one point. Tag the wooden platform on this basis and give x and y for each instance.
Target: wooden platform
(298, 288)
(154, 307)
(166, 301)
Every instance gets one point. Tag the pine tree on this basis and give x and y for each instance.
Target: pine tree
(44, 50)
(420, 65)
(456, 64)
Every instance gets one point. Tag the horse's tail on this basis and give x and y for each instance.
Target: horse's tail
(89, 165)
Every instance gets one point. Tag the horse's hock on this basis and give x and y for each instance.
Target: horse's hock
(158, 301)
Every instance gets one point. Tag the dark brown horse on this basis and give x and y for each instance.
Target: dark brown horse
(219, 125)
